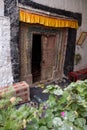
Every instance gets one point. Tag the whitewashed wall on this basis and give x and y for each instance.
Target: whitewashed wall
(1, 7)
(72, 5)
(82, 50)
(79, 6)
(6, 77)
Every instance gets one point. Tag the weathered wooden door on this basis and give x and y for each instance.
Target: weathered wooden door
(48, 56)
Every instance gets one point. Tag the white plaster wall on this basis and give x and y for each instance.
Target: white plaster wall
(77, 6)
(73, 5)
(6, 77)
(1, 7)
(82, 50)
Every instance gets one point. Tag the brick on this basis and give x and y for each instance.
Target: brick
(20, 89)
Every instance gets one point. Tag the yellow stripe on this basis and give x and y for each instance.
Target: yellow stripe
(27, 17)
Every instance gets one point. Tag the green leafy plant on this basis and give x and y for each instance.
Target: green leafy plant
(11, 117)
(69, 106)
(66, 109)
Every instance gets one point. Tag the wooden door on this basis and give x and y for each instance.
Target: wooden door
(48, 56)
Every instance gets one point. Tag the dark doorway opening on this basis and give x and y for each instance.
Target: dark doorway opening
(36, 58)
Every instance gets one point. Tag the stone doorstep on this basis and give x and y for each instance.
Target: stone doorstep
(20, 89)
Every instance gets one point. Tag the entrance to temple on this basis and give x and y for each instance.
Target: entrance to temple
(42, 53)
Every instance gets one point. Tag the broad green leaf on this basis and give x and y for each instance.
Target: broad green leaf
(43, 128)
(67, 126)
(58, 92)
(85, 127)
(49, 124)
(71, 116)
(42, 121)
(84, 114)
(1, 117)
(80, 122)
(57, 122)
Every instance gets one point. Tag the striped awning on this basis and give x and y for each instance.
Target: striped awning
(28, 17)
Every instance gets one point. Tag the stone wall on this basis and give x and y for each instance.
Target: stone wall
(81, 49)
(6, 77)
(11, 10)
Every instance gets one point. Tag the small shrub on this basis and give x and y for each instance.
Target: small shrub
(12, 118)
(64, 110)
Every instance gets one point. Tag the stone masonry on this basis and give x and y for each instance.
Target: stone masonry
(11, 11)
(6, 77)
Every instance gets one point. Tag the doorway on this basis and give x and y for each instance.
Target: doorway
(49, 45)
(36, 58)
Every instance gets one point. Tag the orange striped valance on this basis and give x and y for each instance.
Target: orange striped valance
(28, 17)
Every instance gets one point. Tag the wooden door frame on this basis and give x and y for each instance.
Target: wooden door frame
(25, 44)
